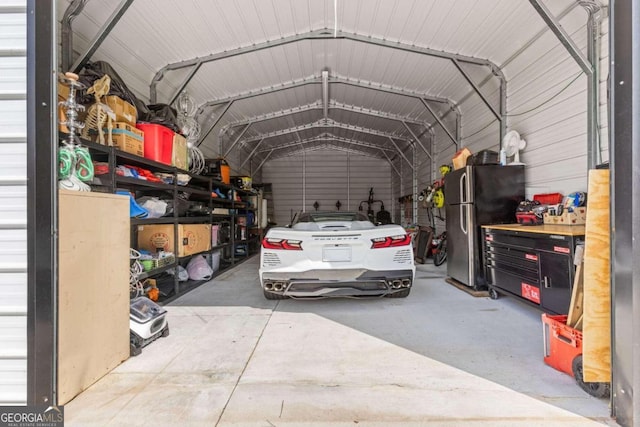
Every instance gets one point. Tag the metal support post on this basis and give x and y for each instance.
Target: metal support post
(455, 139)
(246, 128)
(417, 140)
(262, 163)
(594, 22)
(101, 35)
(414, 193)
(586, 66)
(251, 154)
(206, 134)
(475, 87)
(66, 33)
(401, 153)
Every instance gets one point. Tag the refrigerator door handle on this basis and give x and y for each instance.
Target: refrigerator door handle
(463, 218)
(463, 188)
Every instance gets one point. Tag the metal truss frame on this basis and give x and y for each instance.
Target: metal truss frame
(424, 99)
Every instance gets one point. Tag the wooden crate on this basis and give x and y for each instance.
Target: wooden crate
(577, 217)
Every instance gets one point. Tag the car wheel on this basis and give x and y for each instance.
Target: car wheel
(273, 296)
(599, 390)
(400, 294)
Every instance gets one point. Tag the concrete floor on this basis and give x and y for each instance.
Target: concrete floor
(439, 357)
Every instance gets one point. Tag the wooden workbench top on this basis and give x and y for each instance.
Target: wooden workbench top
(563, 230)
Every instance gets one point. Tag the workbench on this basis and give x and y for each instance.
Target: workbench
(533, 262)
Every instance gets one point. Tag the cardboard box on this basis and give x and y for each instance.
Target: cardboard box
(124, 111)
(179, 156)
(577, 217)
(127, 138)
(192, 238)
(460, 158)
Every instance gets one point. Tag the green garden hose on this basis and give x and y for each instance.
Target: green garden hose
(66, 161)
(84, 165)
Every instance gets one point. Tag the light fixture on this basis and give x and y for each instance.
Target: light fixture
(186, 105)
(190, 128)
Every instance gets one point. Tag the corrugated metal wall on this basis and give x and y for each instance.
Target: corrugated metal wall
(326, 176)
(13, 201)
(546, 104)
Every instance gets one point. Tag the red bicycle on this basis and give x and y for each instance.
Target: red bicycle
(439, 251)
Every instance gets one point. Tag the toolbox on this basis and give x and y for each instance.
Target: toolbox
(483, 157)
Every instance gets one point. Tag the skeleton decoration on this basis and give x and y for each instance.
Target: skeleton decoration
(99, 114)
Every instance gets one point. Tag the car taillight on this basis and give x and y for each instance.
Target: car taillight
(284, 244)
(391, 241)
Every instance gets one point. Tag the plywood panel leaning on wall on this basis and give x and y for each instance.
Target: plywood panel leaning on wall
(596, 345)
(93, 291)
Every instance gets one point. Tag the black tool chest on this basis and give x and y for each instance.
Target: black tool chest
(534, 265)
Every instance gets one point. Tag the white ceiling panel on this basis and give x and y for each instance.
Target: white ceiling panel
(155, 33)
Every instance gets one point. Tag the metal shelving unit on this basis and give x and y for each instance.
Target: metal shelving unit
(199, 189)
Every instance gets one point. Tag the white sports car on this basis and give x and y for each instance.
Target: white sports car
(327, 254)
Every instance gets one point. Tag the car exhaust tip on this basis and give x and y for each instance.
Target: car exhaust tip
(268, 286)
(278, 286)
(406, 283)
(397, 284)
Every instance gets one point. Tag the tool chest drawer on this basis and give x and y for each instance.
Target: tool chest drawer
(530, 241)
(537, 267)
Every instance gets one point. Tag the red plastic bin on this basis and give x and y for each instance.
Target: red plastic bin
(548, 199)
(158, 142)
(562, 343)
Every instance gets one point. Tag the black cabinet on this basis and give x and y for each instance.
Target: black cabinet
(556, 279)
(532, 262)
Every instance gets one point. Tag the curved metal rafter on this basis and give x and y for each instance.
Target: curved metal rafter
(423, 98)
(331, 124)
(329, 136)
(292, 84)
(318, 106)
(326, 146)
(322, 147)
(323, 34)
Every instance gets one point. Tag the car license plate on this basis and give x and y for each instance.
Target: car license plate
(336, 254)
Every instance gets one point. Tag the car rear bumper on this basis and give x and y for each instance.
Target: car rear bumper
(323, 283)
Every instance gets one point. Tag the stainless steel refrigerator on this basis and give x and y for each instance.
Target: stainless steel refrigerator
(475, 196)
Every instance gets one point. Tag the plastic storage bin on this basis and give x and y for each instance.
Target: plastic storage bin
(562, 343)
(158, 142)
(215, 261)
(225, 172)
(563, 351)
(548, 199)
(214, 234)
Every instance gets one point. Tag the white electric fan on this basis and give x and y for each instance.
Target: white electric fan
(512, 143)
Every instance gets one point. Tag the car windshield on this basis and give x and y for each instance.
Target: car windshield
(331, 216)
